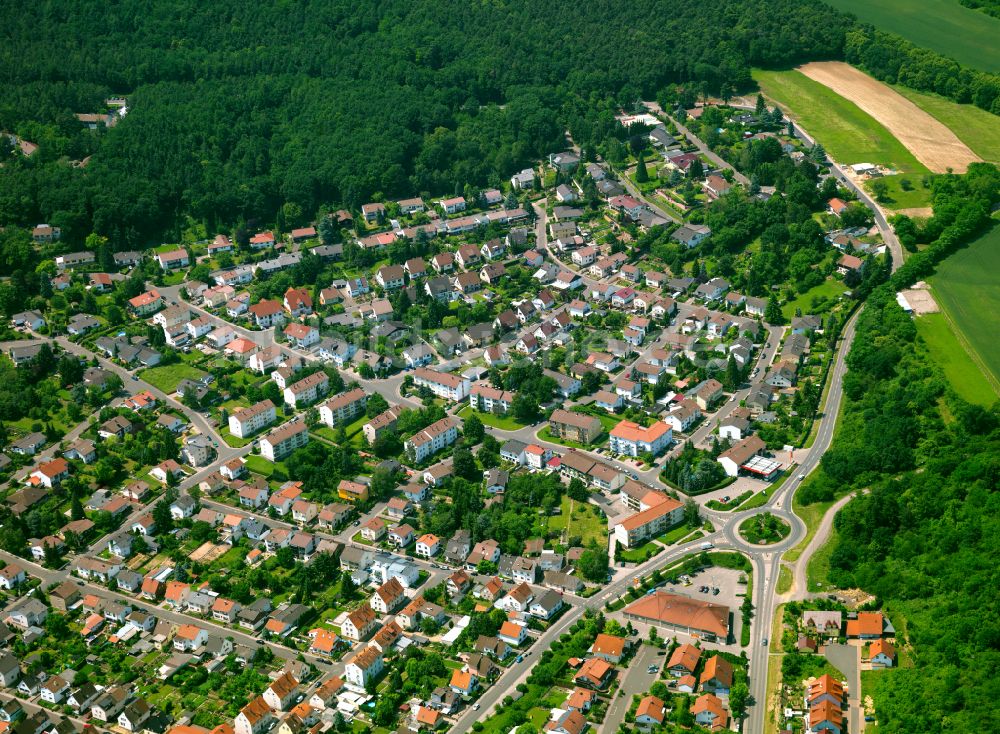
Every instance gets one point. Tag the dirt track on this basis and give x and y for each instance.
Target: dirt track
(934, 145)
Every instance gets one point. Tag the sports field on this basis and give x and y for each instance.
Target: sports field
(933, 144)
(945, 26)
(848, 134)
(977, 128)
(967, 287)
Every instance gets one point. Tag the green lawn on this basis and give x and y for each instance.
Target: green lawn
(167, 376)
(757, 500)
(816, 300)
(784, 580)
(945, 26)
(580, 518)
(546, 435)
(503, 422)
(967, 288)
(899, 198)
(964, 375)
(811, 515)
(672, 536)
(977, 128)
(640, 553)
(259, 465)
(848, 134)
(818, 569)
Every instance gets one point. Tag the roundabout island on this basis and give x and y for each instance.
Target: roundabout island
(764, 528)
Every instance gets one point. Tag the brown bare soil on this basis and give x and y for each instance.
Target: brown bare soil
(933, 144)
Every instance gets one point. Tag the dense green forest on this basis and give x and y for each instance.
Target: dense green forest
(924, 538)
(990, 7)
(242, 111)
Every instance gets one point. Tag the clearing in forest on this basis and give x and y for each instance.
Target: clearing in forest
(933, 144)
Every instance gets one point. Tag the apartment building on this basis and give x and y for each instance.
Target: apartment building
(433, 438)
(281, 442)
(343, 408)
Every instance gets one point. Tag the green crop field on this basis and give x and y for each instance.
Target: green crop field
(945, 26)
(848, 134)
(977, 128)
(963, 374)
(967, 287)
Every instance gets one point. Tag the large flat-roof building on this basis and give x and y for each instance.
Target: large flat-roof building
(691, 616)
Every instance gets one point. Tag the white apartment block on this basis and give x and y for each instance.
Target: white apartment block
(433, 438)
(343, 408)
(248, 421)
(442, 384)
(280, 443)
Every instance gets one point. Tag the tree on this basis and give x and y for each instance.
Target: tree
(692, 513)
(594, 565)
(525, 409)
(162, 517)
(641, 174)
(696, 171)
(760, 107)
(577, 490)
(382, 484)
(739, 694)
(376, 405)
(465, 465)
(473, 429)
(772, 314)
(881, 190)
(733, 376)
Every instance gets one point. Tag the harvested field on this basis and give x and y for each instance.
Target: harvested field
(933, 144)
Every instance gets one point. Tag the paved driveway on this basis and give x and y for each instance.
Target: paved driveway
(635, 680)
(847, 659)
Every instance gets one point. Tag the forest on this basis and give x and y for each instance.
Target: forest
(923, 538)
(245, 113)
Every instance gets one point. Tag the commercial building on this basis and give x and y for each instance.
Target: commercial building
(673, 611)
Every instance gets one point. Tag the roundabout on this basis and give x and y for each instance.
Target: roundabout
(764, 529)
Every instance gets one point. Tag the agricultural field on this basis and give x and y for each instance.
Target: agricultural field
(848, 134)
(945, 26)
(968, 291)
(977, 128)
(934, 145)
(949, 354)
